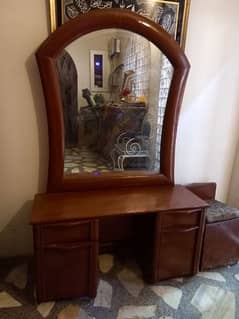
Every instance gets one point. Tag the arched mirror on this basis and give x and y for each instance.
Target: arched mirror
(113, 114)
(113, 83)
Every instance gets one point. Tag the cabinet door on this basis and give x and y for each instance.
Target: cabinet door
(177, 252)
(67, 270)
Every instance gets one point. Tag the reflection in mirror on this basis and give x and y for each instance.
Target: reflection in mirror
(114, 87)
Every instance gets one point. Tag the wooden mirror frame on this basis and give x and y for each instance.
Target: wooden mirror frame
(46, 58)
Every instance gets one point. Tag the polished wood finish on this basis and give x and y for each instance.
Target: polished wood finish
(173, 248)
(221, 244)
(115, 232)
(59, 207)
(167, 227)
(188, 218)
(46, 57)
(116, 229)
(180, 244)
(165, 223)
(66, 259)
(61, 233)
(206, 191)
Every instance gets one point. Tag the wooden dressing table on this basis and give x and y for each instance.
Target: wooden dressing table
(66, 235)
(163, 223)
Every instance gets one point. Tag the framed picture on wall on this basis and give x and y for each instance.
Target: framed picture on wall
(99, 70)
(171, 15)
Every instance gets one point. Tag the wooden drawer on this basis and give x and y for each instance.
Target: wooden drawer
(68, 232)
(177, 253)
(185, 218)
(67, 270)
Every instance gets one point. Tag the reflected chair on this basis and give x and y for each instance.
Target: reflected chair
(133, 148)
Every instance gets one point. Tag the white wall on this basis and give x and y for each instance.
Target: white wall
(23, 130)
(233, 194)
(208, 125)
(207, 129)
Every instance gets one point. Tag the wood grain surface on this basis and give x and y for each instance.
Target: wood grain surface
(57, 207)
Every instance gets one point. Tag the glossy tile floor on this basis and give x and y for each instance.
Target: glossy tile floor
(85, 160)
(122, 294)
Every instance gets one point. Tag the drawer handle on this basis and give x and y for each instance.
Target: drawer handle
(179, 230)
(67, 225)
(186, 212)
(66, 247)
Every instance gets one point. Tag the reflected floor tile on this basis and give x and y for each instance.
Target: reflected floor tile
(75, 170)
(85, 161)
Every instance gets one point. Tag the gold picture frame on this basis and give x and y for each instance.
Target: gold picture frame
(180, 8)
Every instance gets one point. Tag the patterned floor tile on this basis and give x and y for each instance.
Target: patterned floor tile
(45, 308)
(212, 275)
(7, 301)
(106, 263)
(195, 298)
(104, 295)
(18, 276)
(180, 280)
(171, 295)
(136, 312)
(73, 312)
(131, 281)
(214, 302)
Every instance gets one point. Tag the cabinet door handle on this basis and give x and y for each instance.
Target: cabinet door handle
(179, 229)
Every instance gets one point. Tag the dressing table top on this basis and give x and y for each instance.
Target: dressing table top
(60, 207)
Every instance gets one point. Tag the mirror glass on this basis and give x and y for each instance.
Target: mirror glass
(114, 88)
